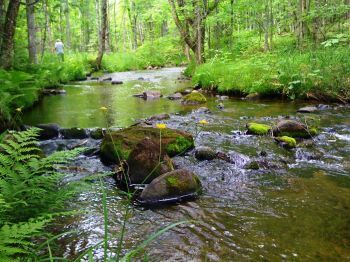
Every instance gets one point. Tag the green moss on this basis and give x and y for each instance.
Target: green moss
(179, 146)
(289, 142)
(258, 129)
(124, 142)
(252, 166)
(194, 98)
(301, 134)
(313, 131)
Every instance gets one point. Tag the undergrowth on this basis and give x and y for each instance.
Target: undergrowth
(32, 192)
(320, 73)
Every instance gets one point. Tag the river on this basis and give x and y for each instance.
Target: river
(295, 209)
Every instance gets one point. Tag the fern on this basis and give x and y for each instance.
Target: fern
(31, 188)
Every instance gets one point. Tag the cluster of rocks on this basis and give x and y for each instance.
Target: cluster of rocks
(286, 132)
(141, 157)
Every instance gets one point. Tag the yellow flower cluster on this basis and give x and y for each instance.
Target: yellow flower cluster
(103, 108)
(19, 110)
(203, 122)
(161, 126)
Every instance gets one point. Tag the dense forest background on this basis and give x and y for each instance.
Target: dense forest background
(283, 48)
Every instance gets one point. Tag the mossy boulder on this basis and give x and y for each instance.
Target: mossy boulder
(286, 141)
(146, 163)
(118, 145)
(294, 129)
(258, 129)
(253, 165)
(195, 98)
(171, 187)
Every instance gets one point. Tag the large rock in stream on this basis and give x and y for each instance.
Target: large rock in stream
(295, 129)
(120, 144)
(171, 187)
(146, 162)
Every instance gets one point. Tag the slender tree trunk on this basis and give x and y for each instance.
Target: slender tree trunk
(102, 47)
(2, 18)
(30, 11)
(231, 22)
(9, 33)
(68, 34)
(266, 26)
(271, 24)
(98, 24)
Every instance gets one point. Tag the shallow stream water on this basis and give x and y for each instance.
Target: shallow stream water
(295, 208)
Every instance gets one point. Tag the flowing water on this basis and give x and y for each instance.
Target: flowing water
(295, 208)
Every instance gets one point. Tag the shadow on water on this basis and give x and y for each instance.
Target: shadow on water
(296, 207)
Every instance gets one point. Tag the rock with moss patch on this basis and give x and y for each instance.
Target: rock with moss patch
(194, 99)
(253, 165)
(97, 133)
(294, 129)
(74, 133)
(118, 145)
(286, 141)
(146, 162)
(171, 187)
(258, 129)
(205, 153)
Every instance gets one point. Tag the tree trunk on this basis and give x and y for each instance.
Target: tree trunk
(30, 11)
(266, 26)
(98, 24)
(2, 18)
(9, 33)
(102, 45)
(68, 34)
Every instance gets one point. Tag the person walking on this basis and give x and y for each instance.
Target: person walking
(59, 46)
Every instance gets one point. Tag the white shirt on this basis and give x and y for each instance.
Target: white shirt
(59, 47)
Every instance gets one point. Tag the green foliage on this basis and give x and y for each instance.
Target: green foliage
(31, 189)
(295, 74)
(258, 129)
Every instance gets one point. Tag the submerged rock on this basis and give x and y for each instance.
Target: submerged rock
(194, 99)
(176, 96)
(146, 162)
(202, 110)
(171, 187)
(53, 92)
(159, 117)
(253, 165)
(48, 131)
(118, 145)
(294, 129)
(117, 82)
(205, 153)
(74, 133)
(253, 96)
(220, 106)
(258, 129)
(152, 95)
(286, 141)
(308, 109)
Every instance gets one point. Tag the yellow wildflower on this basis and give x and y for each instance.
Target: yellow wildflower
(203, 122)
(103, 108)
(161, 126)
(19, 110)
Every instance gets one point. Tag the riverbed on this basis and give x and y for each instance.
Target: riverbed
(296, 207)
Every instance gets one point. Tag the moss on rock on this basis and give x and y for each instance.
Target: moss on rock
(286, 141)
(122, 142)
(170, 187)
(258, 129)
(194, 99)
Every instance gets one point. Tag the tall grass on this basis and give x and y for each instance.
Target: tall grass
(322, 73)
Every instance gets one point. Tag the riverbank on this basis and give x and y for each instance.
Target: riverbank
(321, 74)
